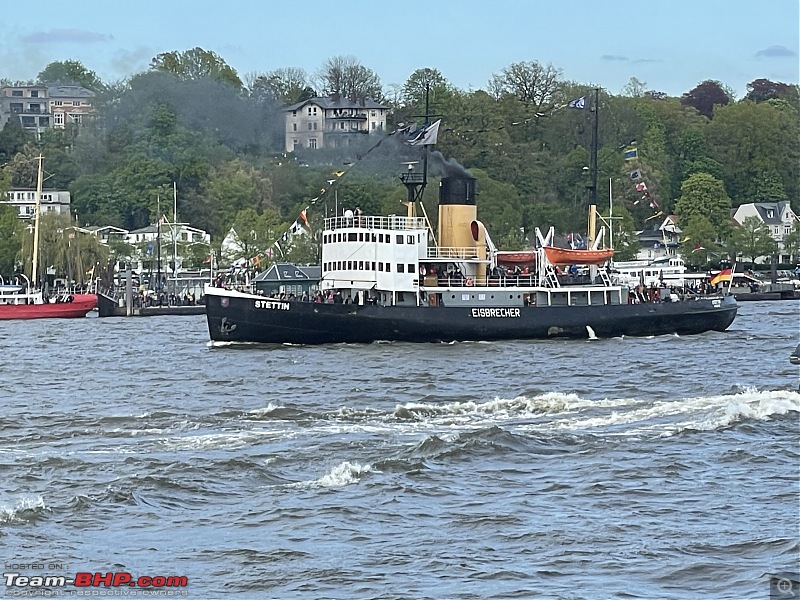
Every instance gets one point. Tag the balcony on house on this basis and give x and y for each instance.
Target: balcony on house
(347, 123)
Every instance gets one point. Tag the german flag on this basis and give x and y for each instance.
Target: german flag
(724, 275)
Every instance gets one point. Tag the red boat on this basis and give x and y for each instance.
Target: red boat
(565, 256)
(16, 303)
(25, 302)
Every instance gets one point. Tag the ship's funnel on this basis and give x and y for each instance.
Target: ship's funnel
(457, 190)
(457, 211)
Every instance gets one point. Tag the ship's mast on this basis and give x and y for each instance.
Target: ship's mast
(592, 229)
(36, 216)
(416, 182)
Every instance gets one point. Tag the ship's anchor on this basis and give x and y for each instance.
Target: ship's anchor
(225, 327)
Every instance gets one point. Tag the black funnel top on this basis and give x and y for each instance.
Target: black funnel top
(457, 190)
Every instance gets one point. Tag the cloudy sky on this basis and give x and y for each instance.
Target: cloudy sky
(670, 45)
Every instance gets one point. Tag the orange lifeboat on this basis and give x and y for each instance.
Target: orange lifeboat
(522, 258)
(565, 256)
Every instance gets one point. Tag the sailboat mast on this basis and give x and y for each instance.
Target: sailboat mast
(158, 247)
(175, 236)
(37, 213)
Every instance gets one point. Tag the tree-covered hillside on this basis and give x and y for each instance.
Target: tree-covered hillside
(191, 120)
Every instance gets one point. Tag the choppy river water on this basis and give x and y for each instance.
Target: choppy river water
(664, 467)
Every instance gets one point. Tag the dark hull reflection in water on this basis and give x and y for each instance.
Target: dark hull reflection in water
(660, 467)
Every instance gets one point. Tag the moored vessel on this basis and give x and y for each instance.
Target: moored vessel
(26, 301)
(19, 302)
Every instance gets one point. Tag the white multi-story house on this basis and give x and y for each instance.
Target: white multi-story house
(331, 122)
(53, 201)
(778, 216)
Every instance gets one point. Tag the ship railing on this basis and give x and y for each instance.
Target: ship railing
(453, 252)
(508, 281)
(392, 222)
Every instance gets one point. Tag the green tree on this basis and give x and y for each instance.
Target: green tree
(791, 242)
(345, 77)
(70, 72)
(286, 85)
(12, 139)
(10, 227)
(96, 200)
(232, 187)
(699, 246)
(196, 64)
(500, 210)
(303, 250)
(529, 81)
(71, 251)
(625, 240)
(425, 80)
(756, 143)
(703, 195)
(255, 233)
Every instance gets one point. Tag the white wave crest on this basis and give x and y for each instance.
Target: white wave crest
(9, 514)
(750, 406)
(700, 413)
(341, 475)
(263, 412)
(521, 406)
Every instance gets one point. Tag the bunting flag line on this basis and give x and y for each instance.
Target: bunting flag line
(641, 186)
(697, 248)
(636, 175)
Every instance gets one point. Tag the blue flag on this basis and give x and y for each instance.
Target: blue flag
(631, 153)
(578, 103)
